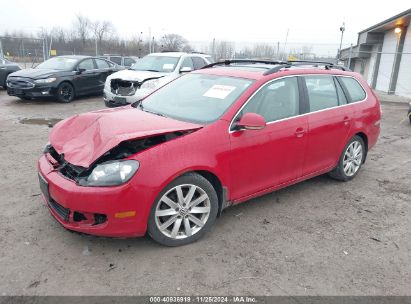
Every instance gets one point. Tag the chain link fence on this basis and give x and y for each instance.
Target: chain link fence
(27, 52)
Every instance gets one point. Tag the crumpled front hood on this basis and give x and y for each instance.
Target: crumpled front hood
(85, 137)
(136, 75)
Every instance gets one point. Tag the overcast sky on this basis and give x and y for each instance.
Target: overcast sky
(252, 21)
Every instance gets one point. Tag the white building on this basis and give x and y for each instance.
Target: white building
(383, 55)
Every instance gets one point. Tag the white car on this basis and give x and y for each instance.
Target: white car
(148, 74)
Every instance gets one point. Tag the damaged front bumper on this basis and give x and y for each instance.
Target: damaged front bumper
(93, 210)
(123, 92)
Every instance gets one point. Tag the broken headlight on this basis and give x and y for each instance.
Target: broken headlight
(111, 173)
(150, 84)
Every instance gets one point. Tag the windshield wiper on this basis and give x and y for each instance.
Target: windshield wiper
(152, 70)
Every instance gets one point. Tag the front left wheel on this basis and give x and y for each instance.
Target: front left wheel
(65, 92)
(184, 211)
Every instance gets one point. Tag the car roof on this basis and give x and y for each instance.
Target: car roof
(260, 70)
(76, 56)
(178, 54)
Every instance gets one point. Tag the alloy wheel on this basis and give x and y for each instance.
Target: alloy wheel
(182, 211)
(66, 92)
(352, 158)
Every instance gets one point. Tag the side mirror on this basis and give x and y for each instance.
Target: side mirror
(185, 69)
(80, 70)
(251, 121)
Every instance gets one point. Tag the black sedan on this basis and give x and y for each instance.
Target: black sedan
(6, 68)
(62, 77)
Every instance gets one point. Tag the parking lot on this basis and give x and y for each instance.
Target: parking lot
(320, 237)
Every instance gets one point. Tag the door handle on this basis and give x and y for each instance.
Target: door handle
(346, 120)
(299, 132)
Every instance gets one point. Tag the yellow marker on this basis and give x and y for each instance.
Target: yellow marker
(124, 214)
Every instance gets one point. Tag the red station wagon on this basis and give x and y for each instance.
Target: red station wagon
(215, 137)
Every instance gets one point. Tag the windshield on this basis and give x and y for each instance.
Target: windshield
(58, 63)
(196, 98)
(163, 64)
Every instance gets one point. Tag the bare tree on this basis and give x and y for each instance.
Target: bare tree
(173, 42)
(224, 50)
(263, 51)
(101, 29)
(82, 28)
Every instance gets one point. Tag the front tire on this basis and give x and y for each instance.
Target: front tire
(350, 161)
(184, 211)
(65, 92)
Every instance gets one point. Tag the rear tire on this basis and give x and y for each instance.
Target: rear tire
(183, 211)
(65, 92)
(350, 161)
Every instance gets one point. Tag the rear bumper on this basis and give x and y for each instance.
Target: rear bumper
(92, 210)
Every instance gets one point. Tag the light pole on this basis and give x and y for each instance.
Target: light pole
(342, 29)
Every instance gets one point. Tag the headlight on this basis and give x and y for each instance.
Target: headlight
(150, 84)
(46, 148)
(45, 80)
(111, 173)
(107, 84)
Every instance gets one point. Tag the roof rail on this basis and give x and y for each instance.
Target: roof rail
(279, 64)
(327, 65)
(231, 61)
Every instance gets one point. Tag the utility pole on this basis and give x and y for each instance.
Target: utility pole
(213, 50)
(285, 44)
(44, 49)
(278, 50)
(342, 29)
(1, 50)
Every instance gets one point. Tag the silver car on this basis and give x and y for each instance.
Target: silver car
(148, 74)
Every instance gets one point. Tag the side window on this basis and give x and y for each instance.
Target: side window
(116, 59)
(187, 62)
(354, 88)
(198, 62)
(86, 64)
(102, 64)
(342, 99)
(321, 92)
(276, 100)
(128, 62)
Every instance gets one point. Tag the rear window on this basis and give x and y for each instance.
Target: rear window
(355, 90)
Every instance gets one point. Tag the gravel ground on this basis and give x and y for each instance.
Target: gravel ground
(320, 237)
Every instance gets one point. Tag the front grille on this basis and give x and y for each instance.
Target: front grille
(123, 87)
(62, 212)
(19, 83)
(65, 168)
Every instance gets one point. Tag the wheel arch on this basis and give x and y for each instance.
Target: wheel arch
(218, 186)
(70, 82)
(365, 139)
(216, 182)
